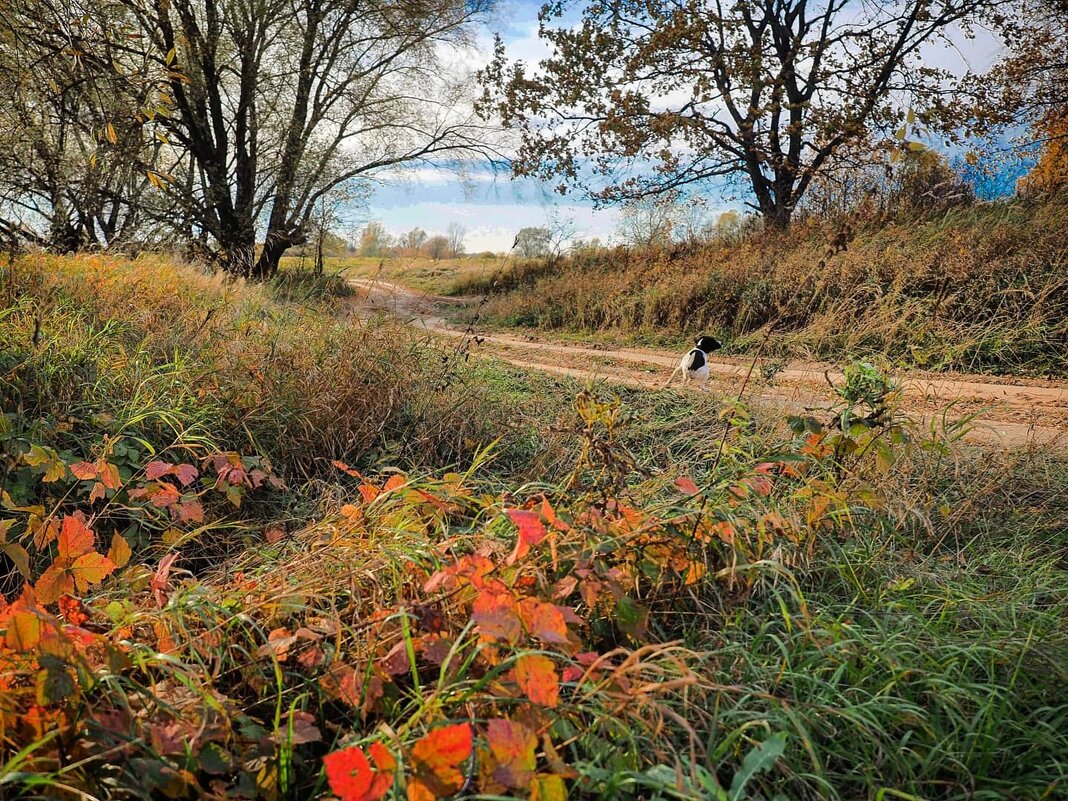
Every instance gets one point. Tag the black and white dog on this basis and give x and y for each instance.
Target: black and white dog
(694, 365)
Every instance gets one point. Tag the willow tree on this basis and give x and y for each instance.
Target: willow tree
(76, 155)
(277, 103)
(640, 98)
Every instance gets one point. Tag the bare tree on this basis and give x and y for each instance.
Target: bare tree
(643, 97)
(456, 234)
(437, 247)
(412, 243)
(277, 103)
(649, 221)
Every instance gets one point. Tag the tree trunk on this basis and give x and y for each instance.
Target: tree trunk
(275, 244)
(777, 216)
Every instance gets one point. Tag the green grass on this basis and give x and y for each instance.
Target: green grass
(881, 619)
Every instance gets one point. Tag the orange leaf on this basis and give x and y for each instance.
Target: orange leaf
(550, 516)
(536, 676)
(512, 749)
(119, 552)
(496, 615)
(351, 777)
(436, 758)
(91, 568)
(54, 582)
(109, 476)
(344, 468)
(74, 538)
(83, 471)
(97, 492)
(24, 631)
(544, 621)
(396, 480)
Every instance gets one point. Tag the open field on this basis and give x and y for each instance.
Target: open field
(274, 545)
(439, 276)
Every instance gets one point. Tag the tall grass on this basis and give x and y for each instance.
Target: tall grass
(979, 288)
(833, 614)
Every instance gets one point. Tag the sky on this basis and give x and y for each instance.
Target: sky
(492, 208)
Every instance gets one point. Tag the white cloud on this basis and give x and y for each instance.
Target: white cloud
(493, 227)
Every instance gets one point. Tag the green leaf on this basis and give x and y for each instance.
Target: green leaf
(17, 554)
(761, 758)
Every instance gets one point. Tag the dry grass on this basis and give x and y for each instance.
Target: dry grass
(437, 276)
(983, 288)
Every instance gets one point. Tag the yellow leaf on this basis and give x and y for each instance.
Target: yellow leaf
(113, 137)
(120, 552)
(43, 456)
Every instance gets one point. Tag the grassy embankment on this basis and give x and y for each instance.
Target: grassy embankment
(260, 532)
(978, 289)
(437, 276)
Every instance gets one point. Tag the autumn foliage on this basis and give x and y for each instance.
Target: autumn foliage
(181, 619)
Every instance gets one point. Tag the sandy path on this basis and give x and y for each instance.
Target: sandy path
(1010, 411)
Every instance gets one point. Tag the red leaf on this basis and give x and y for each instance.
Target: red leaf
(351, 777)
(72, 610)
(435, 760)
(572, 673)
(186, 474)
(157, 469)
(531, 531)
(160, 582)
(685, 483)
(274, 534)
(512, 749)
(536, 676)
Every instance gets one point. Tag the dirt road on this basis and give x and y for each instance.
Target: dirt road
(1010, 412)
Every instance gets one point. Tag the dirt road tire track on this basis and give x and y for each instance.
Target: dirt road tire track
(1010, 412)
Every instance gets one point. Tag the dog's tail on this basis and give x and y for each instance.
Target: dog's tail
(671, 378)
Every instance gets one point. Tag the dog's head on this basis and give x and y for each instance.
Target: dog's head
(707, 344)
